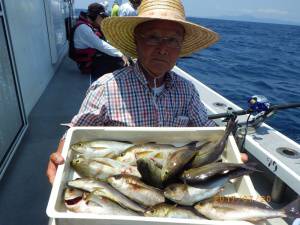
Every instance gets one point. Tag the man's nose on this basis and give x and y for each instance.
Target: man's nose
(163, 47)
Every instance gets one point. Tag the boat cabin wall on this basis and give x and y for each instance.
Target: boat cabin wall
(37, 34)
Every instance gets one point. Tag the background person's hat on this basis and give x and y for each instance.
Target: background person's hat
(96, 9)
(119, 31)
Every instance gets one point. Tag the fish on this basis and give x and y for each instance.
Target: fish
(82, 202)
(211, 152)
(135, 189)
(103, 189)
(157, 152)
(150, 172)
(184, 194)
(171, 211)
(189, 194)
(105, 206)
(100, 148)
(86, 184)
(175, 162)
(234, 208)
(203, 173)
(74, 200)
(102, 168)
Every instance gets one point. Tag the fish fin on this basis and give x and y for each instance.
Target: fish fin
(293, 209)
(110, 155)
(103, 162)
(159, 155)
(142, 154)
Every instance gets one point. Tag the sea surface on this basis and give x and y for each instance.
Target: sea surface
(252, 59)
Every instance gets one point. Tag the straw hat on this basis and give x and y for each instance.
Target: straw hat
(119, 31)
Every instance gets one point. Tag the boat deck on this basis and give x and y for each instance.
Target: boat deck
(24, 188)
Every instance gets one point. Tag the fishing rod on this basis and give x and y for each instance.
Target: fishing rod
(258, 104)
(259, 108)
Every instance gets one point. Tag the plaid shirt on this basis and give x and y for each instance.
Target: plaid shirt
(123, 98)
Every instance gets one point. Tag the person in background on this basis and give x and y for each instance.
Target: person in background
(129, 8)
(148, 93)
(89, 48)
(115, 8)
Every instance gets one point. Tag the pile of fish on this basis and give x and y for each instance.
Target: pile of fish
(158, 180)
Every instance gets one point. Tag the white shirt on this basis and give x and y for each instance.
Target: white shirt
(84, 37)
(126, 9)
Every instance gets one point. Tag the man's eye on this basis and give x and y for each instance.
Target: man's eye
(153, 38)
(173, 40)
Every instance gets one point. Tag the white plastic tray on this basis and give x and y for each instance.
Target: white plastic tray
(56, 209)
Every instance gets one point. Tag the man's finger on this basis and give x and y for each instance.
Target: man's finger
(56, 158)
(51, 171)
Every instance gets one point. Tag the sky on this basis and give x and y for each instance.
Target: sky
(286, 11)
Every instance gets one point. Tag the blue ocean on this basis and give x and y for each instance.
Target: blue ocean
(252, 59)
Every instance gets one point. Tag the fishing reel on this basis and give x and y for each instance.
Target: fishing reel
(259, 110)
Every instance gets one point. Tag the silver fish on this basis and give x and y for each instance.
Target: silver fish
(80, 202)
(188, 195)
(170, 211)
(136, 190)
(206, 172)
(101, 148)
(102, 168)
(74, 200)
(104, 206)
(103, 189)
(86, 184)
(144, 150)
(234, 208)
(211, 152)
(157, 152)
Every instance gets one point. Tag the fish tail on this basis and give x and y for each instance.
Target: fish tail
(190, 145)
(231, 126)
(293, 209)
(251, 166)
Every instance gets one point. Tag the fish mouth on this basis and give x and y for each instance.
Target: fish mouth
(73, 201)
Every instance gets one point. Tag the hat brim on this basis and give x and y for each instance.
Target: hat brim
(119, 31)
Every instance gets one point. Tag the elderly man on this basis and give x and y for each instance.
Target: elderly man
(148, 93)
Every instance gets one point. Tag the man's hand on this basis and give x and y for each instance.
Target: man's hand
(125, 60)
(55, 160)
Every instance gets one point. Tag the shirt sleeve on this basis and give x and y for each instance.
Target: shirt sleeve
(84, 37)
(93, 111)
(198, 112)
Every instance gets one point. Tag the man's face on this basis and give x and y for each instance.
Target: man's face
(158, 45)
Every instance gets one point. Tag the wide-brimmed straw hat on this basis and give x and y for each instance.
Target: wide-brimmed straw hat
(119, 31)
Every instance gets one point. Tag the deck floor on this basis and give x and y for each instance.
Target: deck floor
(24, 189)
